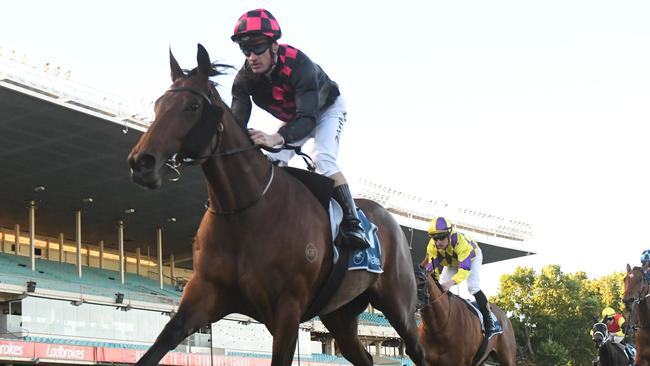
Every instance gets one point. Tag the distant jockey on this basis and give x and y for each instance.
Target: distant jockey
(454, 257)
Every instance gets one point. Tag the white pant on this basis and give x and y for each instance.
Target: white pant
(326, 135)
(615, 338)
(474, 278)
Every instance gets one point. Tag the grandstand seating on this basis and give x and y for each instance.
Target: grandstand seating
(94, 281)
(373, 319)
(85, 343)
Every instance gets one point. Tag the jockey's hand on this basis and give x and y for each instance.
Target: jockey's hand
(447, 285)
(264, 139)
(429, 267)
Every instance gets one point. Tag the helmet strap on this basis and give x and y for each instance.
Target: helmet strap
(274, 58)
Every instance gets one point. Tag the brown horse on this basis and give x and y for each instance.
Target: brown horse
(451, 334)
(264, 247)
(635, 297)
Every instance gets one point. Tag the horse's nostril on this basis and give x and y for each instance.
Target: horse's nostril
(144, 162)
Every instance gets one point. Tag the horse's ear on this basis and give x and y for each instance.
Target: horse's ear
(629, 269)
(177, 72)
(203, 59)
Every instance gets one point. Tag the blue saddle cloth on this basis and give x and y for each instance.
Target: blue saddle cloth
(368, 259)
(473, 305)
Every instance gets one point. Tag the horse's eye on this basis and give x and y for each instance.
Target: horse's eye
(193, 107)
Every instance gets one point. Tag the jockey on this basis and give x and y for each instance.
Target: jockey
(614, 322)
(455, 257)
(283, 81)
(645, 264)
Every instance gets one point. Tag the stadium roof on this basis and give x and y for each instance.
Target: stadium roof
(76, 155)
(77, 150)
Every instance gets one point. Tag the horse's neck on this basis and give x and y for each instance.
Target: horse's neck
(612, 354)
(439, 304)
(235, 180)
(643, 312)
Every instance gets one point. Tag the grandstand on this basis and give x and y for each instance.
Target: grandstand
(92, 266)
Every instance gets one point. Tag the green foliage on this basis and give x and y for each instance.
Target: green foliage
(553, 353)
(552, 312)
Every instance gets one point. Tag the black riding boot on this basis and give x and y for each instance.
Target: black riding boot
(484, 307)
(351, 226)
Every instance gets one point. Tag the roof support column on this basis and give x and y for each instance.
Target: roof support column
(32, 234)
(160, 257)
(138, 258)
(171, 268)
(61, 251)
(17, 239)
(120, 245)
(77, 216)
(101, 254)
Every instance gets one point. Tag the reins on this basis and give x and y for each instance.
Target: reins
(448, 309)
(176, 161)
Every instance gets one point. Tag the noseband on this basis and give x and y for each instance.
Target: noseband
(604, 335)
(200, 135)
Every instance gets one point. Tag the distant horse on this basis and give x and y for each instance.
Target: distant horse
(264, 246)
(609, 354)
(451, 334)
(635, 297)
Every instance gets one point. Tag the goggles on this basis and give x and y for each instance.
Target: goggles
(438, 237)
(257, 49)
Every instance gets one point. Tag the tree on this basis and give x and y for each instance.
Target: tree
(552, 313)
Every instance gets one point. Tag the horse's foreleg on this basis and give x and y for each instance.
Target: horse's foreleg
(198, 307)
(284, 329)
(343, 324)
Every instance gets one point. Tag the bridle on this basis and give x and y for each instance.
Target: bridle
(201, 134)
(604, 335)
(633, 302)
(431, 302)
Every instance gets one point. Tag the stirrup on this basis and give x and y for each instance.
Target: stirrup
(354, 239)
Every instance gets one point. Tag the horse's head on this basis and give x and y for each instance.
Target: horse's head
(635, 289)
(599, 334)
(185, 129)
(633, 284)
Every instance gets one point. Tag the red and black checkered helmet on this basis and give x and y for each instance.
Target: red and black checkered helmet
(254, 23)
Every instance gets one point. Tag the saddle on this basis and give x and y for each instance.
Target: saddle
(628, 349)
(345, 258)
(473, 307)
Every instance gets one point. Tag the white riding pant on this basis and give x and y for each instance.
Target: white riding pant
(326, 135)
(615, 338)
(474, 278)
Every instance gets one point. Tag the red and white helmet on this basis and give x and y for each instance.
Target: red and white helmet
(255, 23)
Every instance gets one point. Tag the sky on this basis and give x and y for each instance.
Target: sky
(533, 110)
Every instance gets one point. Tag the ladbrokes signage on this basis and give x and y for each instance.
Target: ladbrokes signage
(11, 349)
(61, 352)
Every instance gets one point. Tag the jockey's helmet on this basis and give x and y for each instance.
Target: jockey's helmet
(607, 312)
(645, 256)
(439, 225)
(255, 24)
